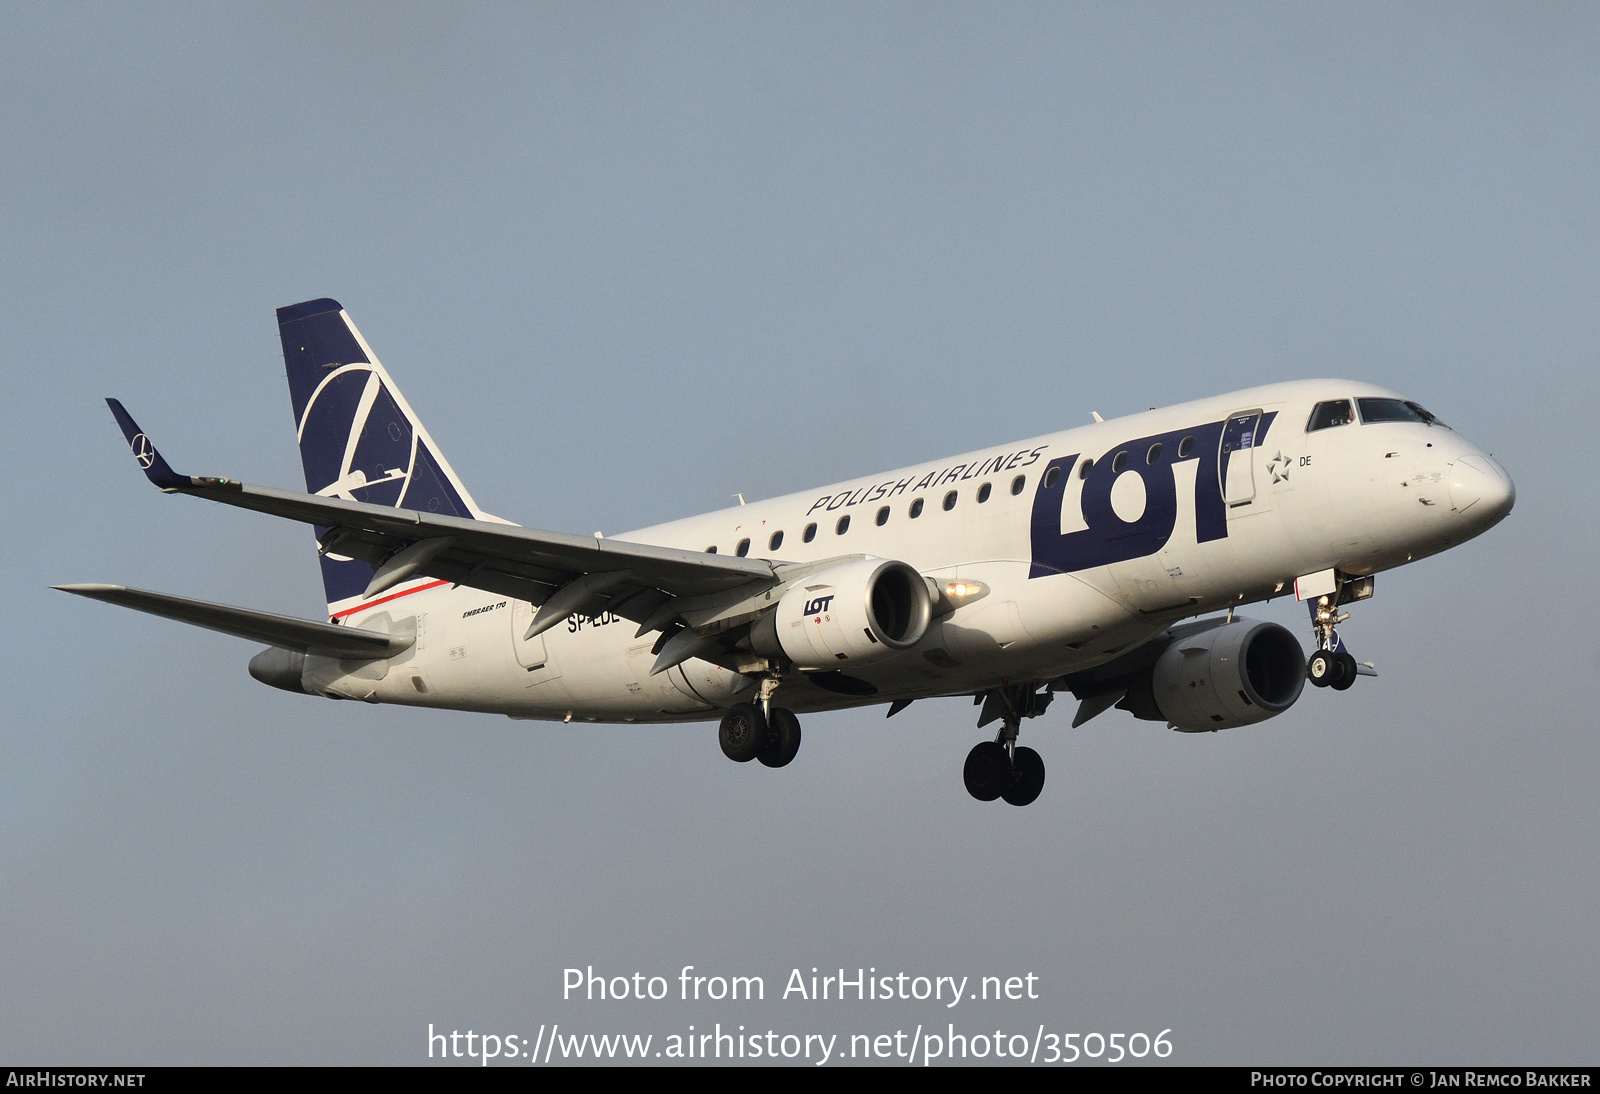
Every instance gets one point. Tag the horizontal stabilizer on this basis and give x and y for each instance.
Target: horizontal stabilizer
(285, 632)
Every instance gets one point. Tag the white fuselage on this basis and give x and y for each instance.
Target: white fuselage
(1074, 569)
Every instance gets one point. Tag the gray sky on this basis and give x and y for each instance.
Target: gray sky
(628, 260)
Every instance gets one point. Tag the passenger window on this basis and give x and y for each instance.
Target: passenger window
(743, 548)
(1328, 415)
(916, 509)
(843, 526)
(810, 533)
(1185, 447)
(1119, 462)
(775, 542)
(949, 501)
(1085, 468)
(1052, 476)
(883, 516)
(1017, 483)
(1154, 455)
(711, 550)
(983, 493)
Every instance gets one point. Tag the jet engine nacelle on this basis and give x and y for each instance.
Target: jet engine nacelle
(851, 614)
(280, 668)
(1233, 675)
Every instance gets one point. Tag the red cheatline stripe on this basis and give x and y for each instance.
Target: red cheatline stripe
(386, 599)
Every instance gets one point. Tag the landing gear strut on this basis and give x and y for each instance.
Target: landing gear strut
(759, 730)
(1331, 665)
(1000, 768)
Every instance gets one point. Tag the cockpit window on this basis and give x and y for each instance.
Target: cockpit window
(1427, 416)
(1328, 415)
(1394, 410)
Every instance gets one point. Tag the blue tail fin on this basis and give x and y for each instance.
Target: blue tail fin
(359, 438)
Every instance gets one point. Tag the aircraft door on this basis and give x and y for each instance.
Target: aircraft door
(531, 653)
(1236, 459)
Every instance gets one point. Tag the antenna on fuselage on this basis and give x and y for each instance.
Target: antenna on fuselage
(1095, 414)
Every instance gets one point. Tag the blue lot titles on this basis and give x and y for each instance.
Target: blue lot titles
(865, 985)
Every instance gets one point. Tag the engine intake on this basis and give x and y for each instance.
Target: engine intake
(1234, 675)
(853, 613)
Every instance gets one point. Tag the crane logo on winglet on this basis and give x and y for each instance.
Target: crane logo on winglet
(143, 451)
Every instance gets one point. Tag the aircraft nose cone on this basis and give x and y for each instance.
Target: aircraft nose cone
(1480, 489)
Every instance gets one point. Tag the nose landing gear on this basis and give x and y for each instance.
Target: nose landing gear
(999, 768)
(1331, 665)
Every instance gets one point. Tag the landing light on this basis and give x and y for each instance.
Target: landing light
(957, 593)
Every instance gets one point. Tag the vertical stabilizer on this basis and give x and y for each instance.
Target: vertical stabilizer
(359, 438)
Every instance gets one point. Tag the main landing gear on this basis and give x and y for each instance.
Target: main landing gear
(1000, 768)
(760, 731)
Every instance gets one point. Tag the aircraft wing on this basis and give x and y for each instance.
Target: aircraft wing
(557, 570)
(276, 630)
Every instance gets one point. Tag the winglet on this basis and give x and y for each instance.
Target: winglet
(155, 468)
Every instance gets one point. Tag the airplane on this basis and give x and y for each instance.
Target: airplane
(1080, 561)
